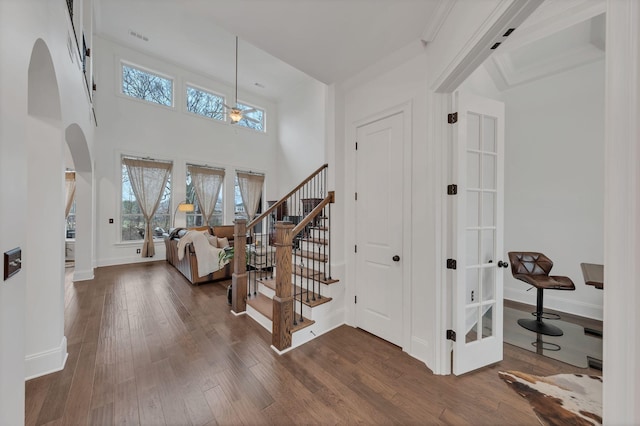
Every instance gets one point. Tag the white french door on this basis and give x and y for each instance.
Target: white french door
(478, 155)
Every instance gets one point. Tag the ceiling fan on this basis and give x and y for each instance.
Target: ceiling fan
(236, 113)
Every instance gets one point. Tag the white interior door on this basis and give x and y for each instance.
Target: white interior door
(478, 156)
(379, 228)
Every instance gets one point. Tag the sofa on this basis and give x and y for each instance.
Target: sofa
(188, 266)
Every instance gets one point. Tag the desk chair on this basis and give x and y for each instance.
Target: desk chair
(533, 268)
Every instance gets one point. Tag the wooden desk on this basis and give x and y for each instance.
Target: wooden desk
(593, 274)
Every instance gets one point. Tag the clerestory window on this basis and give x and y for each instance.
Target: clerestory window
(146, 85)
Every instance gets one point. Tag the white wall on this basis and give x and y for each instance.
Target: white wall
(554, 181)
(406, 83)
(301, 134)
(134, 127)
(22, 23)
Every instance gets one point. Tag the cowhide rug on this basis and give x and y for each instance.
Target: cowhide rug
(563, 399)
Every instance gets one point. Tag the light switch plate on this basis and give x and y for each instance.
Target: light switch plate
(12, 262)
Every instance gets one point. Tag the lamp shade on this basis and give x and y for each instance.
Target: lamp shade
(184, 207)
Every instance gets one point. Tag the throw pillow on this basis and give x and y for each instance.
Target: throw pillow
(213, 240)
(223, 242)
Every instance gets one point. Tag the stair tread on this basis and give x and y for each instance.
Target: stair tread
(300, 325)
(312, 255)
(306, 273)
(320, 241)
(271, 283)
(300, 292)
(264, 305)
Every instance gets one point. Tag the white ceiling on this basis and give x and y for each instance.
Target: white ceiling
(557, 37)
(282, 42)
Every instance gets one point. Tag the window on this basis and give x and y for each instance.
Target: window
(212, 179)
(205, 103)
(132, 220)
(70, 223)
(253, 120)
(146, 86)
(252, 187)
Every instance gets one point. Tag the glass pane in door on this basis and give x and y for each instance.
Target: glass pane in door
(487, 321)
(472, 325)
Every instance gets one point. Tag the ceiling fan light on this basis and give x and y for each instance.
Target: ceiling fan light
(235, 115)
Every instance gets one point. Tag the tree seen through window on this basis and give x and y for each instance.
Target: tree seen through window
(146, 86)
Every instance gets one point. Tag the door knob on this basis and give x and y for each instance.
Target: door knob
(502, 264)
(396, 258)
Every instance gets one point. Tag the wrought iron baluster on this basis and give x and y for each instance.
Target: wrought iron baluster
(301, 275)
(295, 281)
(329, 242)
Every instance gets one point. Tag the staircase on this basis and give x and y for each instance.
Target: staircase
(282, 268)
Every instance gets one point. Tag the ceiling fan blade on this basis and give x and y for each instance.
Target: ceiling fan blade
(249, 111)
(226, 106)
(253, 120)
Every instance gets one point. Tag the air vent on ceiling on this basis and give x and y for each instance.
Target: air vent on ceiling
(138, 35)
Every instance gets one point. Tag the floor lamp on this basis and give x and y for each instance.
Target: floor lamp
(183, 207)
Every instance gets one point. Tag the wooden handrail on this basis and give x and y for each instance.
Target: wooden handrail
(330, 198)
(284, 199)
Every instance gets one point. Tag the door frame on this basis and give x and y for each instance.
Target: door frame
(406, 109)
(508, 14)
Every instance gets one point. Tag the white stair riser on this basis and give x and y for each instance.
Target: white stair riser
(260, 319)
(319, 233)
(308, 263)
(309, 246)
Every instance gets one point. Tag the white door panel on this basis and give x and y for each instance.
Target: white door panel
(478, 232)
(379, 228)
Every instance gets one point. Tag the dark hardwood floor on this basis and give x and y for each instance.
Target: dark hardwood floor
(145, 347)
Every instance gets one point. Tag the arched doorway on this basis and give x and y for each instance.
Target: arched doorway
(79, 150)
(43, 254)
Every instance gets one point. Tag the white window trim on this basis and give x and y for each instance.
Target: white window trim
(118, 219)
(224, 181)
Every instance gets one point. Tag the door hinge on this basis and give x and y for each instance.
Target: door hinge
(356, 196)
(356, 146)
(452, 118)
(452, 189)
(451, 335)
(355, 299)
(452, 264)
(355, 248)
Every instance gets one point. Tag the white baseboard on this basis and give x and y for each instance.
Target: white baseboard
(582, 309)
(420, 351)
(115, 261)
(46, 362)
(83, 275)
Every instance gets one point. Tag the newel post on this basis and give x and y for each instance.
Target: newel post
(239, 276)
(283, 300)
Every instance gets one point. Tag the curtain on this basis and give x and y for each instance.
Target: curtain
(148, 179)
(250, 190)
(70, 190)
(207, 183)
